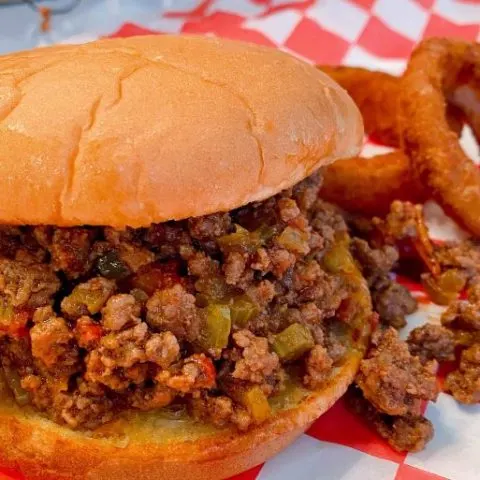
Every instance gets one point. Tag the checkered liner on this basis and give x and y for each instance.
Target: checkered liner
(378, 34)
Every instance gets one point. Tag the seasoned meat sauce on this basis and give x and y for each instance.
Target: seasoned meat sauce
(394, 378)
(410, 432)
(209, 311)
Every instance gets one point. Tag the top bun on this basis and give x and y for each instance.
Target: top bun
(128, 132)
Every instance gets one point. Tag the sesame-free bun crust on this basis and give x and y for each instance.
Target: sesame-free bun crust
(127, 132)
(45, 451)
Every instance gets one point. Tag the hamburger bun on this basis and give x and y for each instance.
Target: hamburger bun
(127, 132)
(152, 448)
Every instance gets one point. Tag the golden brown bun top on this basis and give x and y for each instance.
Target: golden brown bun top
(127, 132)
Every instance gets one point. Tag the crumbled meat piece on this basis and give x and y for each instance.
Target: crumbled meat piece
(256, 361)
(318, 365)
(375, 262)
(128, 235)
(410, 433)
(261, 261)
(88, 298)
(463, 255)
(306, 192)
(87, 332)
(168, 238)
(158, 276)
(42, 314)
(312, 317)
(120, 311)
(312, 284)
(288, 209)
(462, 314)
(29, 257)
(311, 314)
(281, 260)
(210, 227)
(116, 361)
(196, 372)
(53, 343)
(31, 285)
(430, 342)
(16, 352)
(162, 349)
(200, 265)
(275, 259)
(274, 321)
(125, 348)
(151, 398)
(135, 257)
(262, 293)
(220, 411)
(335, 347)
(43, 235)
(234, 266)
(88, 407)
(32, 384)
(306, 274)
(464, 383)
(174, 309)
(473, 291)
(121, 358)
(70, 250)
(316, 242)
(404, 433)
(327, 220)
(28, 250)
(401, 221)
(394, 381)
(10, 240)
(393, 302)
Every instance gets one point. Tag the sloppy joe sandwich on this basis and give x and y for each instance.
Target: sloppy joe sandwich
(176, 301)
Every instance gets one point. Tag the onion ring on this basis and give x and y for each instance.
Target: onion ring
(377, 95)
(369, 185)
(466, 98)
(435, 70)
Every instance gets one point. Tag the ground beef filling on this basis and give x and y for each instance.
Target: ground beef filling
(395, 377)
(390, 387)
(210, 312)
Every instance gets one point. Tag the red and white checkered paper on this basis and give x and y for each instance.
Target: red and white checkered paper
(378, 34)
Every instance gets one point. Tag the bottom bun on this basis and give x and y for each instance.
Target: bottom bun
(154, 446)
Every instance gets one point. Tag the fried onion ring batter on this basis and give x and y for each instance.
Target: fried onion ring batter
(376, 95)
(369, 185)
(435, 70)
